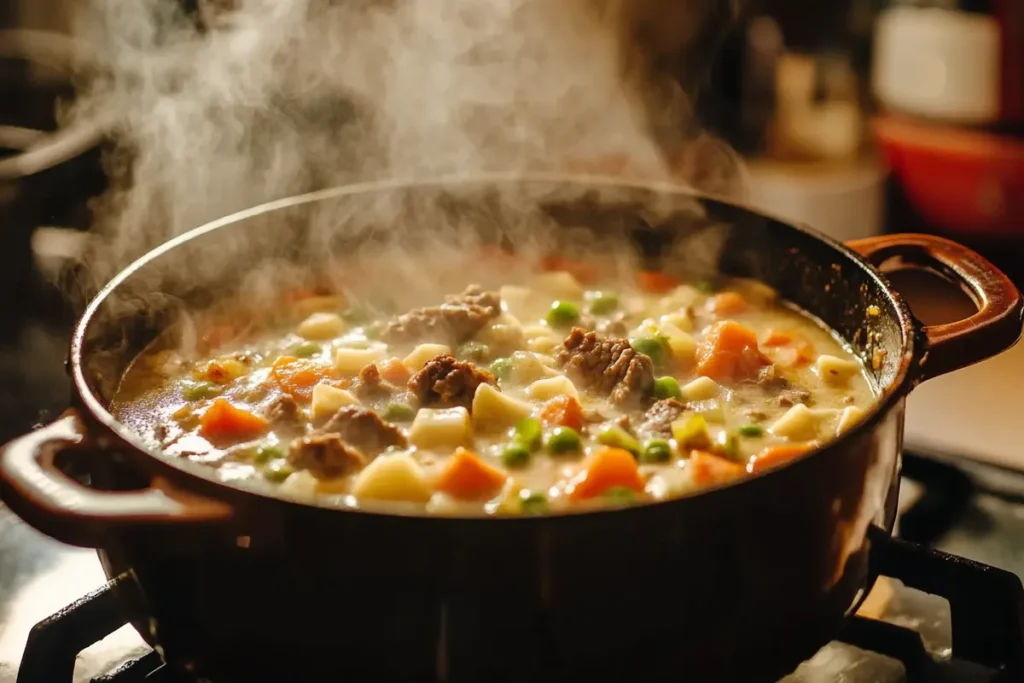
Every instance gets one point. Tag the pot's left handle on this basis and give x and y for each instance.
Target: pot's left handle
(33, 486)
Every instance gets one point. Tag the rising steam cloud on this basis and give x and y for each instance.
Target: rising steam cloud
(243, 102)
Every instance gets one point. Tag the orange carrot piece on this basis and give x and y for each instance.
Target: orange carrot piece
(730, 353)
(607, 468)
(223, 420)
(585, 273)
(709, 469)
(778, 338)
(394, 370)
(564, 411)
(468, 477)
(727, 303)
(655, 282)
(775, 455)
(298, 376)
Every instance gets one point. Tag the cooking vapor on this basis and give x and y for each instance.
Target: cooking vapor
(257, 100)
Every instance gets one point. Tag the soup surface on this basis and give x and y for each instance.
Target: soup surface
(549, 395)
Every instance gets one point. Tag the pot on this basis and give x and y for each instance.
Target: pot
(742, 582)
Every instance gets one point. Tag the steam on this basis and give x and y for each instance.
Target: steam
(261, 99)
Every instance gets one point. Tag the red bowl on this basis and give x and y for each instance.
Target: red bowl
(958, 180)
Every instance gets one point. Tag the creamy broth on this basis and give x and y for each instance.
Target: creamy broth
(548, 395)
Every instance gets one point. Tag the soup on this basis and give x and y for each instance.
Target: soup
(544, 396)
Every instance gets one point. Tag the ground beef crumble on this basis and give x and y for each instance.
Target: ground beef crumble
(607, 365)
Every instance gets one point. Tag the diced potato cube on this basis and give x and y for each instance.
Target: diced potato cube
(328, 400)
(351, 361)
(528, 367)
(800, 422)
(221, 371)
(543, 344)
(679, 298)
(680, 321)
(299, 484)
(683, 346)
(544, 389)
(836, 371)
(519, 302)
(393, 477)
(848, 419)
(507, 502)
(701, 389)
(320, 326)
(447, 427)
(493, 409)
(423, 354)
(558, 284)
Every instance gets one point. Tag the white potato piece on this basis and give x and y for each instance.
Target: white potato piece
(320, 326)
(701, 389)
(684, 347)
(299, 484)
(351, 361)
(493, 409)
(519, 302)
(679, 299)
(543, 345)
(558, 284)
(544, 389)
(680, 321)
(393, 477)
(800, 422)
(440, 428)
(848, 419)
(328, 400)
(423, 354)
(835, 371)
(528, 367)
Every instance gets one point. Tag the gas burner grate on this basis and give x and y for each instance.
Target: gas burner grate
(986, 604)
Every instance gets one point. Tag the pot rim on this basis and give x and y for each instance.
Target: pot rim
(896, 388)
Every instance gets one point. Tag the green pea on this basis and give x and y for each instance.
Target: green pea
(197, 391)
(265, 454)
(528, 433)
(399, 412)
(515, 455)
(563, 440)
(617, 437)
(603, 303)
(533, 502)
(473, 351)
(751, 430)
(656, 450)
(653, 347)
(277, 471)
(620, 494)
(563, 314)
(667, 387)
(305, 349)
(501, 368)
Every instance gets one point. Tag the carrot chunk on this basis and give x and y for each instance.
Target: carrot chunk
(223, 420)
(298, 376)
(655, 282)
(468, 477)
(708, 469)
(607, 468)
(775, 455)
(563, 411)
(394, 370)
(727, 303)
(730, 353)
(778, 338)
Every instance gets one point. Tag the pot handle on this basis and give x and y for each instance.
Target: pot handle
(993, 329)
(40, 493)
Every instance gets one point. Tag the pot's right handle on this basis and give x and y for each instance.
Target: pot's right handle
(34, 487)
(993, 329)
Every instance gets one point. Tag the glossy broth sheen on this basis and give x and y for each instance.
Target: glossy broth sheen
(543, 396)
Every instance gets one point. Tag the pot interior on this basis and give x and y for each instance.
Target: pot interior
(411, 243)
